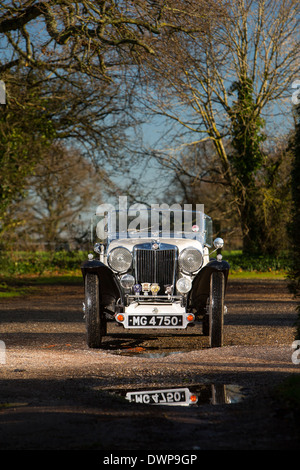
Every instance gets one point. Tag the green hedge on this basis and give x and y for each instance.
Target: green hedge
(240, 262)
(20, 263)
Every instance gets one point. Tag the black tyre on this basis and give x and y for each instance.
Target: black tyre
(216, 309)
(205, 323)
(94, 319)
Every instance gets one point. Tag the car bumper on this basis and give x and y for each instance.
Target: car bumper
(161, 316)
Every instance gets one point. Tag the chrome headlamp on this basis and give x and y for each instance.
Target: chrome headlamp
(127, 281)
(184, 285)
(120, 259)
(190, 260)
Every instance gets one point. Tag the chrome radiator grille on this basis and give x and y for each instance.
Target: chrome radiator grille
(156, 266)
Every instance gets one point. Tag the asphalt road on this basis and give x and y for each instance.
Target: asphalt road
(56, 394)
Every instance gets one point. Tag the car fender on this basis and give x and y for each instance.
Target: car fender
(201, 284)
(110, 290)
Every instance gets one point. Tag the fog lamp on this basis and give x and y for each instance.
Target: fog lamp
(184, 285)
(127, 281)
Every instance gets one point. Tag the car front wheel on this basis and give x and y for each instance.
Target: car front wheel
(216, 309)
(94, 318)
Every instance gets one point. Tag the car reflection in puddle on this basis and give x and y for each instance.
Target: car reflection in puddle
(179, 396)
(214, 394)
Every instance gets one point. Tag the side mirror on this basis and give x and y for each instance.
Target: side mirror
(218, 243)
(98, 248)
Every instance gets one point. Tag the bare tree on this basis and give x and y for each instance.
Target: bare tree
(61, 196)
(42, 110)
(94, 38)
(90, 56)
(194, 178)
(225, 90)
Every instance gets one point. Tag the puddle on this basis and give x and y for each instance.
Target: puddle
(213, 394)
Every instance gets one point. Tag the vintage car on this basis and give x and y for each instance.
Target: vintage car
(154, 274)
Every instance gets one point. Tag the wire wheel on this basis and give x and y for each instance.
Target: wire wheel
(216, 309)
(94, 319)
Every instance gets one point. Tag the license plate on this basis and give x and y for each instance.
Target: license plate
(155, 321)
(161, 397)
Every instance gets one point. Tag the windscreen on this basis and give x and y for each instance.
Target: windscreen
(151, 223)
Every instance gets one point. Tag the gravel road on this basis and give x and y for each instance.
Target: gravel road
(56, 394)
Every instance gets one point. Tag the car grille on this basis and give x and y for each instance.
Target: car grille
(156, 266)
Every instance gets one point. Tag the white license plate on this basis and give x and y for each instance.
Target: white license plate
(161, 397)
(155, 321)
(159, 320)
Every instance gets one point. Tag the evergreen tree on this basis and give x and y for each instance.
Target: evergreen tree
(294, 229)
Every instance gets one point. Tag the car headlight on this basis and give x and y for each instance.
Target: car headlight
(190, 260)
(120, 259)
(184, 285)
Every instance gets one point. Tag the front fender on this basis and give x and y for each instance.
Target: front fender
(201, 284)
(110, 290)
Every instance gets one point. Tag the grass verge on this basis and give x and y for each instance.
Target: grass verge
(23, 285)
(26, 284)
(279, 275)
(22, 272)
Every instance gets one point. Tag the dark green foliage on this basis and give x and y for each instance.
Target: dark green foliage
(294, 226)
(247, 137)
(246, 160)
(22, 263)
(25, 130)
(260, 263)
(19, 263)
